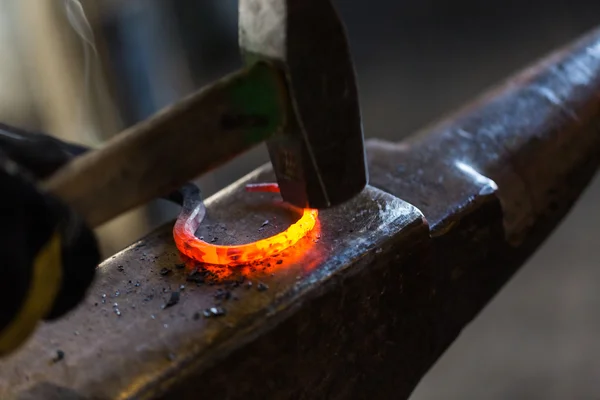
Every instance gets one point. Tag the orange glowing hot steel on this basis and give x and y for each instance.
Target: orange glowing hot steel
(192, 215)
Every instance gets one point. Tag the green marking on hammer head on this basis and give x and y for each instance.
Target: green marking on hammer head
(259, 101)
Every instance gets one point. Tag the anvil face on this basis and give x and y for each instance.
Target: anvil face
(129, 339)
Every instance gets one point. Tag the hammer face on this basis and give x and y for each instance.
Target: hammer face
(319, 160)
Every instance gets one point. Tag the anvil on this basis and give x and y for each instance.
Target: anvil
(363, 306)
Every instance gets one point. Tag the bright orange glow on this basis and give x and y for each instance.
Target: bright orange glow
(292, 256)
(186, 241)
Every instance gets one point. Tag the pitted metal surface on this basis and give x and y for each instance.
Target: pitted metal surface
(124, 341)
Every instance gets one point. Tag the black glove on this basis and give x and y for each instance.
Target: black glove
(40, 154)
(48, 256)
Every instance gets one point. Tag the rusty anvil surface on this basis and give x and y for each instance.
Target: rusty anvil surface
(366, 304)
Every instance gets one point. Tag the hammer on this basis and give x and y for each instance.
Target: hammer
(297, 92)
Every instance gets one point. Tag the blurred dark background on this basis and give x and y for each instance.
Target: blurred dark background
(416, 61)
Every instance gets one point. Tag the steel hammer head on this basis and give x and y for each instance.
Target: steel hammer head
(319, 159)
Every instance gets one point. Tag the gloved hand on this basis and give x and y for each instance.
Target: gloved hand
(48, 256)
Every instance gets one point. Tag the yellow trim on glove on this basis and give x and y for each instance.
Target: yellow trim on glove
(45, 285)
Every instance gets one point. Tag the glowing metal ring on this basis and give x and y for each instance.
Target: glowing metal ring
(192, 214)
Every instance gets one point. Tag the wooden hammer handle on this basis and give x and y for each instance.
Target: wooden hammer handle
(176, 145)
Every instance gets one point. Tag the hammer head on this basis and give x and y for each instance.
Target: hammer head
(319, 158)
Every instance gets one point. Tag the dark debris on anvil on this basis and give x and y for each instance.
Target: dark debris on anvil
(197, 277)
(262, 287)
(165, 271)
(214, 312)
(60, 355)
(201, 275)
(174, 299)
(222, 294)
(179, 266)
(121, 268)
